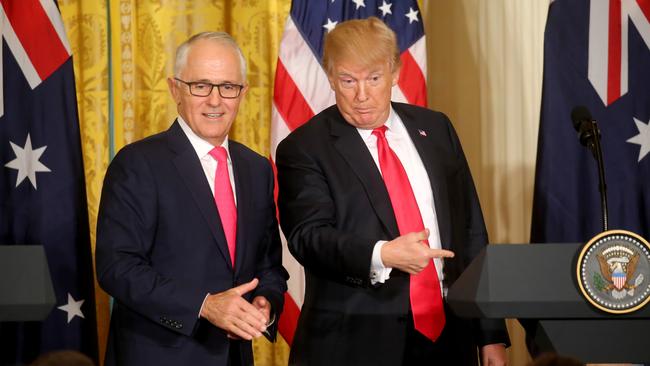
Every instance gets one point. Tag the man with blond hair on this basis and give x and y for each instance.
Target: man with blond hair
(187, 239)
(378, 205)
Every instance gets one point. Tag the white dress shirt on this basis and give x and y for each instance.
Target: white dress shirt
(400, 142)
(208, 163)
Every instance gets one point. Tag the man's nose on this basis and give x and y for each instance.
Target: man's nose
(214, 99)
(362, 93)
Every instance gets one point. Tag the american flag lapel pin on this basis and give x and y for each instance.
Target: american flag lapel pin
(422, 133)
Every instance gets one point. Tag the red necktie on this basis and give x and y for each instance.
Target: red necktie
(225, 199)
(426, 298)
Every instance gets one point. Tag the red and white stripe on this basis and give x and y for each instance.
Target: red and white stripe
(34, 32)
(302, 90)
(608, 43)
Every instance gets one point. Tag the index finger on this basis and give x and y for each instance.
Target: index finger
(252, 315)
(441, 253)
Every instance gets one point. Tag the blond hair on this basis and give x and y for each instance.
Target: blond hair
(366, 41)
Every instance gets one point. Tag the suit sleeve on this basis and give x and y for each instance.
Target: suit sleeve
(308, 219)
(273, 277)
(486, 331)
(126, 235)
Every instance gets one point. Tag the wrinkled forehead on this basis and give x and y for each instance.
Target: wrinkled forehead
(212, 59)
(215, 58)
(359, 68)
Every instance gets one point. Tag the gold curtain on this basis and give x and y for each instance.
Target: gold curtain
(123, 51)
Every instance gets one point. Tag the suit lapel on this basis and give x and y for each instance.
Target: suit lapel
(241, 172)
(191, 172)
(351, 146)
(425, 144)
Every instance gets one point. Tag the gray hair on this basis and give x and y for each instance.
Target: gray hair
(219, 37)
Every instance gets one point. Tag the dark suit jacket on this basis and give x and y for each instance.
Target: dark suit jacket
(334, 207)
(161, 249)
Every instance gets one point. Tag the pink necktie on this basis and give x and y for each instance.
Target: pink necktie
(225, 199)
(426, 299)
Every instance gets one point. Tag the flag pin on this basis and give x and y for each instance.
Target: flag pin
(422, 133)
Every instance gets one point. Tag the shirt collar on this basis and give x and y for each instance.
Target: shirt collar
(201, 147)
(393, 123)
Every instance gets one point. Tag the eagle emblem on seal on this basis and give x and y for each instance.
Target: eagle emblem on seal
(612, 269)
(617, 268)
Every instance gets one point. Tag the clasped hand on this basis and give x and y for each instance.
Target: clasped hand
(229, 311)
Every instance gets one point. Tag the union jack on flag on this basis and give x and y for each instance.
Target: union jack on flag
(301, 88)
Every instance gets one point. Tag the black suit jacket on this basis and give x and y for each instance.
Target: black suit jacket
(334, 207)
(161, 249)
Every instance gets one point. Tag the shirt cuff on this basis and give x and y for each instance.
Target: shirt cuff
(203, 303)
(378, 272)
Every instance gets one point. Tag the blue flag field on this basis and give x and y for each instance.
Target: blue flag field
(597, 55)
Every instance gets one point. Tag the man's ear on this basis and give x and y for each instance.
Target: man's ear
(395, 75)
(173, 90)
(244, 90)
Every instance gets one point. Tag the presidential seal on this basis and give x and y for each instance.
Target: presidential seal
(613, 271)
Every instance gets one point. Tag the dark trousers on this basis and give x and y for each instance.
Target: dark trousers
(234, 354)
(455, 346)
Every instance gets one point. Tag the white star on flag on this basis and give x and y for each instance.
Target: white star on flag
(642, 139)
(73, 308)
(330, 25)
(385, 8)
(359, 3)
(26, 162)
(412, 15)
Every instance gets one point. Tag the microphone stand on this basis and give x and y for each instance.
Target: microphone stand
(602, 187)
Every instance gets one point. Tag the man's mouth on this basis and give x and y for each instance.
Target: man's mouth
(213, 115)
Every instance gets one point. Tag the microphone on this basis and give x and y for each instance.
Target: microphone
(589, 136)
(583, 123)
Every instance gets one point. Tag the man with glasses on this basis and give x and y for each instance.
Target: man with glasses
(187, 239)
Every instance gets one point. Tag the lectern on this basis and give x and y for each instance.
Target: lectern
(26, 292)
(536, 282)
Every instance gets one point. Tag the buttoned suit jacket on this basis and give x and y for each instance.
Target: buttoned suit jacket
(334, 207)
(161, 249)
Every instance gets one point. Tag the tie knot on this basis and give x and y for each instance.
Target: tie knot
(380, 132)
(219, 154)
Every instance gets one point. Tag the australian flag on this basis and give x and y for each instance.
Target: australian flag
(596, 54)
(42, 194)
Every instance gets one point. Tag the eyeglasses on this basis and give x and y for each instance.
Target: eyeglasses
(203, 89)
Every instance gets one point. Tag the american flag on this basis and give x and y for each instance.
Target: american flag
(42, 194)
(596, 54)
(301, 88)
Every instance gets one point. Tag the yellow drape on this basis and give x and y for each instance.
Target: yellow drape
(128, 46)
